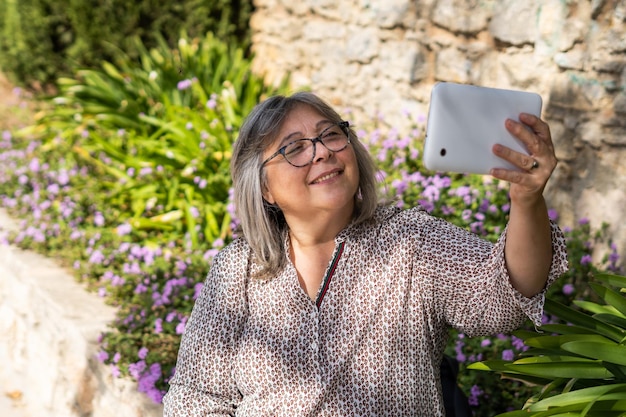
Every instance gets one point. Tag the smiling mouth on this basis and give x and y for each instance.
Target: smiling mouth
(326, 177)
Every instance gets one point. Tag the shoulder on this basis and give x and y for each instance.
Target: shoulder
(234, 256)
(399, 218)
(413, 224)
(392, 222)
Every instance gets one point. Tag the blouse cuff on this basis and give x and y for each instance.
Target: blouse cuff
(533, 306)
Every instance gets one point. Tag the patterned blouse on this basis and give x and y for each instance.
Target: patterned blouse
(372, 343)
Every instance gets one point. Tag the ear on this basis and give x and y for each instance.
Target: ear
(267, 196)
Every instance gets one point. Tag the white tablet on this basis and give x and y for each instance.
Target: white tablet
(465, 121)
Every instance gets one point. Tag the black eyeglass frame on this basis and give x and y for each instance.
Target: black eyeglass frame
(344, 125)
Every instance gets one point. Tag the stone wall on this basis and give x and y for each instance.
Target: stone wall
(374, 57)
(49, 328)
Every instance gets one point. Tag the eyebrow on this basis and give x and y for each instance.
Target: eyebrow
(290, 137)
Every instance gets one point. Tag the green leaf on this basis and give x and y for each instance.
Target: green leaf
(612, 279)
(580, 397)
(611, 297)
(595, 308)
(613, 353)
(562, 369)
(555, 342)
(493, 365)
(567, 329)
(611, 319)
(577, 318)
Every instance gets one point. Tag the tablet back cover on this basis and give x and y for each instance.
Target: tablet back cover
(465, 121)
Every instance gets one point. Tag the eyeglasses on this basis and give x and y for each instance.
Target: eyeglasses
(301, 152)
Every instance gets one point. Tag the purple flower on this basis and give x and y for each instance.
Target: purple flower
(184, 84)
(143, 352)
(568, 289)
(147, 381)
(53, 189)
(613, 259)
(63, 178)
(400, 186)
(585, 260)
(197, 289)
(98, 219)
(475, 393)
(508, 355)
(431, 193)
(34, 165)
(115, 371)
(583, 221)
(212, 102)
(553, 214)
(124, 229)
(102, 356)
(96, 257)
(170, 316)
(158, 326)
(518, 344)
(135, 369)
(485, 343)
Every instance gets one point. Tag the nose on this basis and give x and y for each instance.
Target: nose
(321, 151)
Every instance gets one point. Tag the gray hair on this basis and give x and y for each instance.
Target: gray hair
(262, 224)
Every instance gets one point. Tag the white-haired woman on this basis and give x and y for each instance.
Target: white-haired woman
(332, 304)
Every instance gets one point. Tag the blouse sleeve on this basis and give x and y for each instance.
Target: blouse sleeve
(203, 384)
(469, 281)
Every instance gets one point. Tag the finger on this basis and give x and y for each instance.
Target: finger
(538, 126)
(521, 160)
(527, 136)
(530, 182)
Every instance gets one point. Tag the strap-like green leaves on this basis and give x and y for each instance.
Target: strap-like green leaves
(585, 358)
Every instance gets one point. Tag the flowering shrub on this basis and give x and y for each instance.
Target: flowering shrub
(131, 220)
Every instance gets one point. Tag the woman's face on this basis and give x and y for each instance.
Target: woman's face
(328, 184)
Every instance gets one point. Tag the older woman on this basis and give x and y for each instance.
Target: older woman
(331, 304)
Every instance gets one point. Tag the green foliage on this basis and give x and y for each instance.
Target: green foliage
(122, 92)
(33, 36)
(581, 361)
(43, 39)
(161, 142)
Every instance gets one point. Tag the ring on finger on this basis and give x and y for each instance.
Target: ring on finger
(535, 164)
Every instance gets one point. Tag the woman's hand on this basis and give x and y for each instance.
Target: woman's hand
(528, 247)
(528, 184)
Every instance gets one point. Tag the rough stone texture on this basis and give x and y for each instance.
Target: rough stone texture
(382, 57)
(49, 326)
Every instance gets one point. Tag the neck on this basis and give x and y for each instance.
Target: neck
(322, 229)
